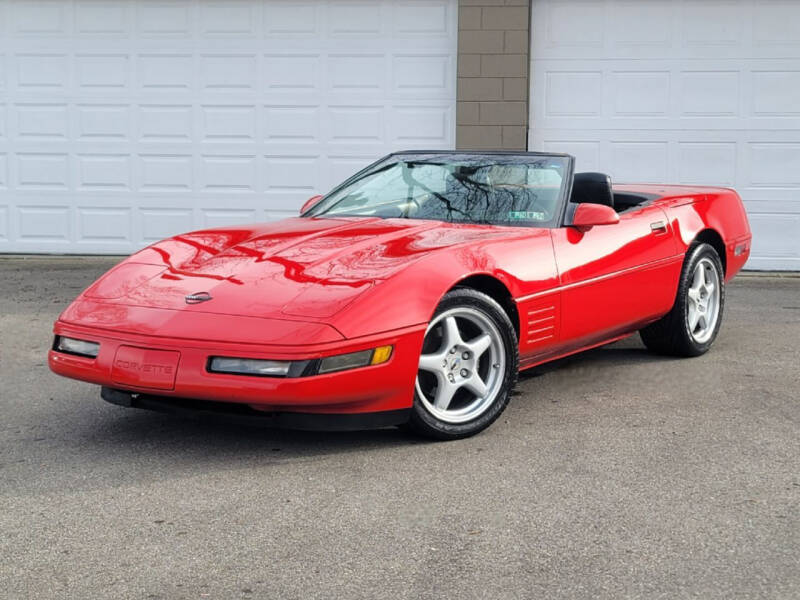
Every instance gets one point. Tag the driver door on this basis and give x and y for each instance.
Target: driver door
(615, 278)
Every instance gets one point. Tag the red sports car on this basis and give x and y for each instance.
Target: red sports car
(412, 293)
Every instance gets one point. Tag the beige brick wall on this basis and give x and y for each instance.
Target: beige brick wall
(493, 42)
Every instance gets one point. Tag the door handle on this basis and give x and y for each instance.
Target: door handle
(658, 227)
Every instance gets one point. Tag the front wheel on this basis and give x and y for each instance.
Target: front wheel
(692, 325)
(467, 368)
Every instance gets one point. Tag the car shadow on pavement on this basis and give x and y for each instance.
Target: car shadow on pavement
(618, 355)
(115, 430)
(85, 444)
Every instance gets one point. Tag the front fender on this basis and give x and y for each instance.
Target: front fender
(524, 265)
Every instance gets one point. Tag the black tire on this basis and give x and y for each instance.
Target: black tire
(425, 423)
(670, 335)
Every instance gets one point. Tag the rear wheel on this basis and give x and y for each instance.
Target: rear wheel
(467, 368)
(692, 325)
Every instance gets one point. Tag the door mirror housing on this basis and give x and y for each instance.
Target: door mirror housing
(310, 203)
(588, 215)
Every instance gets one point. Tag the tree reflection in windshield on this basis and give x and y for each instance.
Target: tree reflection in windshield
(497, 190)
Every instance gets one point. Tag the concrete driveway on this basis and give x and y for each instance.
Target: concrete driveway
(612, 474)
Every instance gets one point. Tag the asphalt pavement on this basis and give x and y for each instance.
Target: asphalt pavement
(613, 474)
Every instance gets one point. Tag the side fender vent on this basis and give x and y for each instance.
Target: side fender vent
(541, 325)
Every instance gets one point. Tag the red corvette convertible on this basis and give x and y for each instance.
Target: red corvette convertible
(412, 293)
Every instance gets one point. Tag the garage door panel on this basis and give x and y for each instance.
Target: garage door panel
(419, 125)
(711, 99)
(164, 121)
(41, 171)
(776, 92)
(775, 24)
(561, 100)
(156, 223)
(775, 237)
(291, 19)
(291, 123)
(774, 164)
(44, 223)
(234, 18)
(423, 75)
(227, 123)
(40, 72)
(101, 72)
(156, 116)
(301, 73)
(292, 175)
(646, 25)
(163, 172)
(160, 19)
(708, 24)
(229, 173)
(101, 18)
(101, 122)
(701, 163)
(709, 93)
(422, 21)
(639, 160)
(106, 172)
(640, 93)
(98, 225)
(40, 121)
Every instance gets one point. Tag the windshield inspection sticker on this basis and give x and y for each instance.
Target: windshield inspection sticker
(526, 215)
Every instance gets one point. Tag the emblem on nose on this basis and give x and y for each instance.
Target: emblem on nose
(197, 298)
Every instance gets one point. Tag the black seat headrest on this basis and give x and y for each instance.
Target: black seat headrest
(592, 187)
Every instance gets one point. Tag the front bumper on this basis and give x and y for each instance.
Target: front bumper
(385, 387)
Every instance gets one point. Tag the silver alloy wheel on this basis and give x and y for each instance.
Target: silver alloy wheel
(466, 374)
(702, 306)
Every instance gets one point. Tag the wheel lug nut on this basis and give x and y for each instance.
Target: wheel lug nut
(453, 350)
(451, 377)
(465, 356)
(464, 372)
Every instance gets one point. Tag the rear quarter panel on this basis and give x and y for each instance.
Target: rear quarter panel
(720, 210)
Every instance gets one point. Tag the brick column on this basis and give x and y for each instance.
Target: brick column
(493, 43)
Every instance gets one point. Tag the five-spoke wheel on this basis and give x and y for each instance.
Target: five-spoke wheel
(467, 366)
(460, 370)
(703, 301)
(691, 326)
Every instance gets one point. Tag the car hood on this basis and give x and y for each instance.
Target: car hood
(300, 267)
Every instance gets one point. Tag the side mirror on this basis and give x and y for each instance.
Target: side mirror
(588, 215)
(310, 203)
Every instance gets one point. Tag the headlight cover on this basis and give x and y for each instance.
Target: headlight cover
(249, 366)
(76, 347)
(299, 368)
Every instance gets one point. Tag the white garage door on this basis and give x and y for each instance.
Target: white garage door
(125, 121)
(695, 91)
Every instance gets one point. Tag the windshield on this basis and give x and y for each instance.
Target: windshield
(522, 190)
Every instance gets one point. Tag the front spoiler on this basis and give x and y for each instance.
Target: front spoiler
(245, 415)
